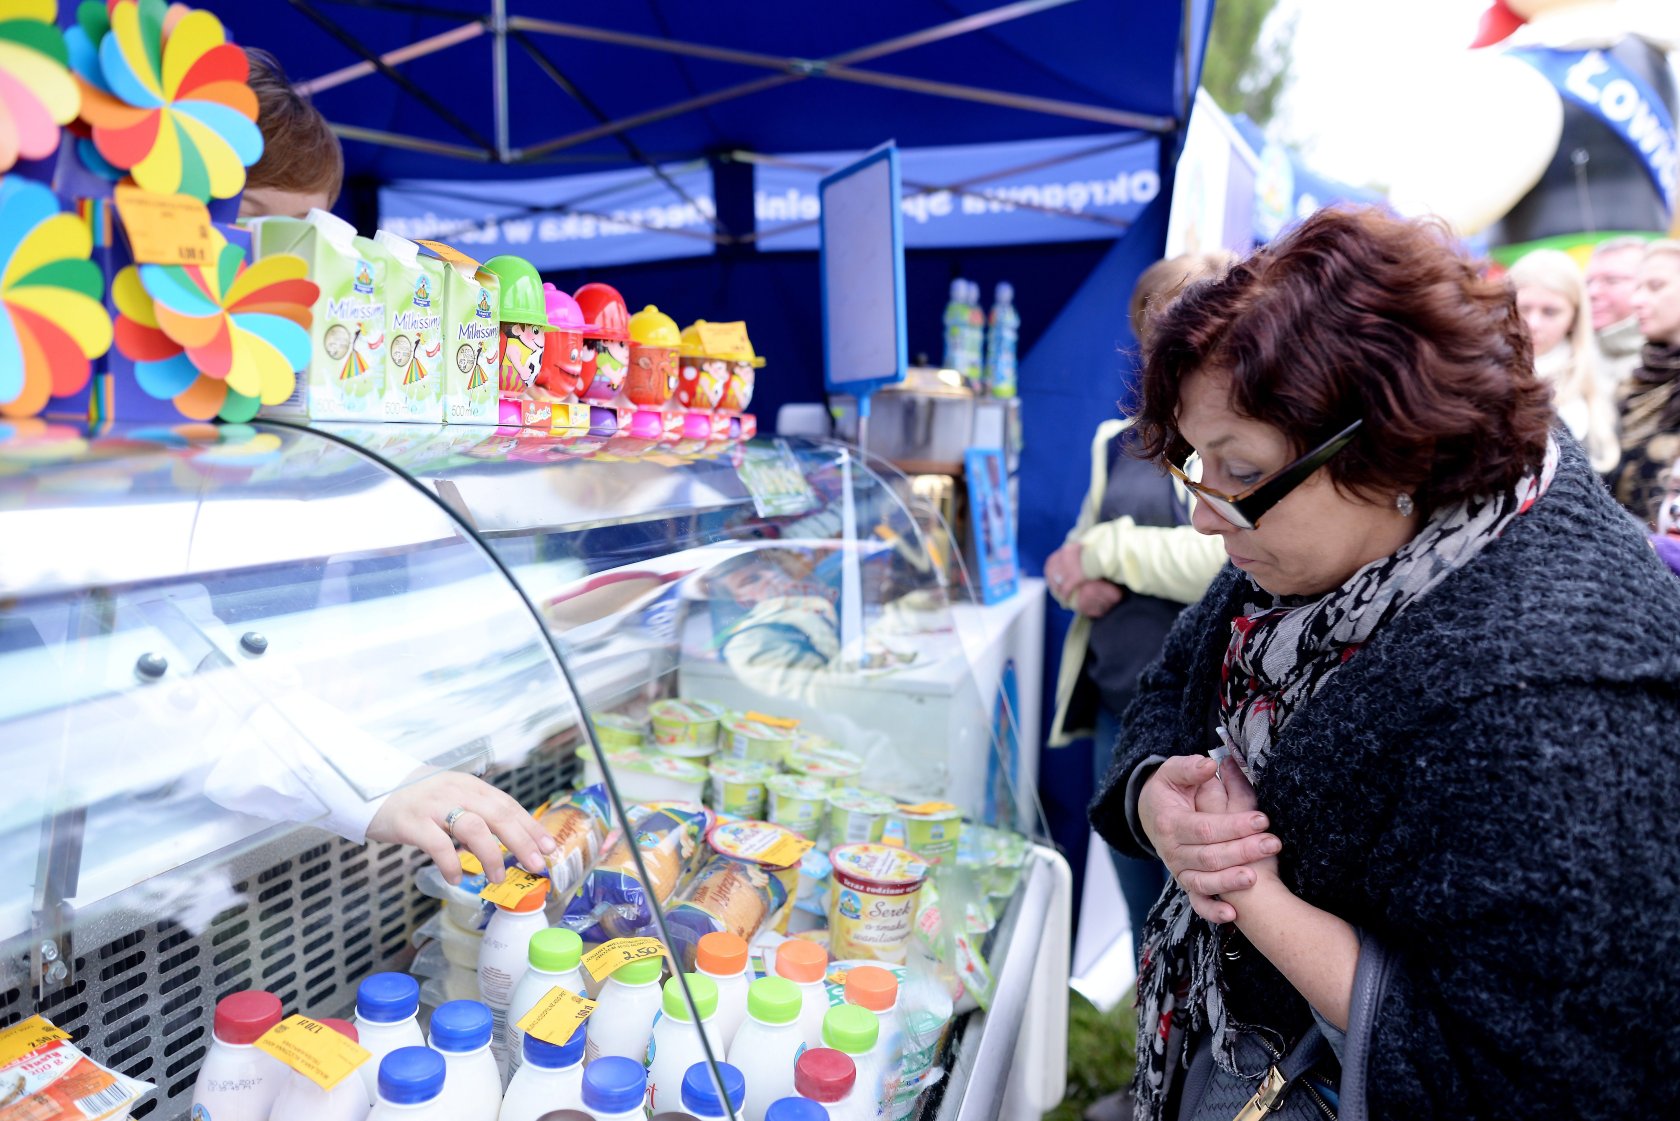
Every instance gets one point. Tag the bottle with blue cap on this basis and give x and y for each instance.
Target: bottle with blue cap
(411, 1087)
(387, 1009)
(549, 1078)
(461, 1034)
(700, 1092)
(795, 1109)
(614, 1089)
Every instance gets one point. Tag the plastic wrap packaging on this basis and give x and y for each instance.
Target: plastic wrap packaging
(952, 923)
(613, 901)
(45, 1077)
(579, 824)
(742, 888)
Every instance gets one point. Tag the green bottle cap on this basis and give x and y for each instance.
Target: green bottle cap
(701, 987)
(775, 1000)
(851, 1029)
(639, 972)
(556, 950)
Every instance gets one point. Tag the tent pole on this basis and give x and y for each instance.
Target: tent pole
(499, 76)
(415, 50)
(412, 143)
(1120, 118)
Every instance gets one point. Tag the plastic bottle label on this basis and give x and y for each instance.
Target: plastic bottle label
(314, 1050)
(556, 1017)
(609, 956)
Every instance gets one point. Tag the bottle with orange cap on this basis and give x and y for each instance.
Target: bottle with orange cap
(876, 989)
(722, 956)
(804, 963)
(503, 957)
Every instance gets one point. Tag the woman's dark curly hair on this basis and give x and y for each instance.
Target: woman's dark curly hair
(1359, 314)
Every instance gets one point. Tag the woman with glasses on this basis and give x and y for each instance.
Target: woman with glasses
(1650, 399)
(1408, 760)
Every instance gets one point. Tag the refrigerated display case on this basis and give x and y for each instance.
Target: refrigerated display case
(224, 647)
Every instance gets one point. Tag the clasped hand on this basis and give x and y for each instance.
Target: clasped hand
(1205, 824)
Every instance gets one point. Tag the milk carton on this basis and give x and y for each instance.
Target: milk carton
(414, 352)
(471, 336)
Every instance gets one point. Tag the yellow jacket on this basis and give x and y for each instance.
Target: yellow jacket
(1172, 562)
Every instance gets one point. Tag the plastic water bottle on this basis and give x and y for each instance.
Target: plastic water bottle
(722, 956)
(1001, 337)
(238, 1082)
(956, 326)
(768, 1044)
(876, 989)
(614, 1088)
(411, 1086)
(503, 957)
(472, 1088)
(386, 1007)
(550, 1078)
(622, 1023)
(795, 1109)
(855, 1033)
(676, 1045)
(302, 1100)
(700, 1096)
(974, 337)
(828, 1077)
(804, 963)
(552, 961)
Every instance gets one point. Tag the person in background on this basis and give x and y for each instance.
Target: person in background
(1650, 400)
(1128, 566)
(302, 165)
(1610, 279)
(1666, 541)
(1552, 301)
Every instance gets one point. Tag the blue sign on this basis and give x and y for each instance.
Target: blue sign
(565, 222)
(1030, 192)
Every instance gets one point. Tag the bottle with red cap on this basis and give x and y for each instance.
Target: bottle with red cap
(302, 1100)
(804, 963)
(722, 956)
(238, 1082)
(826, 1076)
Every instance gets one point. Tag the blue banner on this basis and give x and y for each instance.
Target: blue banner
(1086, 188)
(565, 222)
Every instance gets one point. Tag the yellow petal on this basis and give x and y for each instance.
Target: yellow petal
(125, 25)
(227, 174)
(45, 78)
(160, 171)
(132, 299)
(82, 319)
(42, 11)
(197, 32)
(61, 237)
(269, 270)
(256, 366)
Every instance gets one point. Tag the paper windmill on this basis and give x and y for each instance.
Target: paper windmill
(52, 323)
(218, 339)
(37, 93)
(167, 97)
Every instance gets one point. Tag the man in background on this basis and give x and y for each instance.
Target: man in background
(1610, 282)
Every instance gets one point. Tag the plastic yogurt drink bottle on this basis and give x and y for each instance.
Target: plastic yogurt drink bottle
(503, 957)
(700, 1094)
(676, 1045)
(622, 1023)
(768, 1044)
(854, 1032)
(550, 1078)
(411, 1087)
(553, 961)
(302, 1100)
(827, 1077)
(386, 1005)
(613, 1089)
(876, 989)
(238, 1082)
(722, 956)
(804, 963)
(472, 1086)
(795, 1109)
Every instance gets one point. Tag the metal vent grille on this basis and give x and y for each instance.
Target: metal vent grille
(316, 915)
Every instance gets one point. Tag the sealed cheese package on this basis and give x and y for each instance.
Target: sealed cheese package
(743, 887)
(579, 823)
(614, 902)
(45, 1077)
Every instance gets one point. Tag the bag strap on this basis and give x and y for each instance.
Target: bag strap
(1284, 1074)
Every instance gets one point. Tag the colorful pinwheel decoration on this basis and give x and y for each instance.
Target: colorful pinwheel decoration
(219, 339)
(52, 323)
(167, 97)
(37, 93)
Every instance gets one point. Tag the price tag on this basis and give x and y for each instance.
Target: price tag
(29, 1035)
(786, 851)
(774, 721)
(166, 229)
(928, 808)
(515, 886)
(557, 1016)
(452, 256)
(471, 865)
(607, 957)
(314, 1050)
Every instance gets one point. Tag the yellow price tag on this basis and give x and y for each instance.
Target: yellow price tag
(471, 865)
(609, 956)
(556, 1017)
(773, 721)
(26, 1036)
(786, 851)
(166, 229)
(928, 808)
(451, 256)
(515, 886)
(314, 1050)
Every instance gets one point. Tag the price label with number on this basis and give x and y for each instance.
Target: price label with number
(604, 959)
(314, 1050)
(29, 1035)
(515, 886)
(556, 1017)
(166, 229)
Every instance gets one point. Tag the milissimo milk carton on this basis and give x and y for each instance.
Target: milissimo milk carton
(414, 358)
(471, 337)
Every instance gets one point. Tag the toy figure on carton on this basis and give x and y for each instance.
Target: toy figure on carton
(654, 340)
(732, 342)
(561, 375)
(524, 330)
(606, 352)
(704, 372)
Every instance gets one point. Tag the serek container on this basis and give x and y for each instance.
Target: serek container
(550, 1078)
(768, 1044)
(238, 1082)
(386, 1009)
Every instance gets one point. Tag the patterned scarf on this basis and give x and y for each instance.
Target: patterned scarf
(1650, 429)
(1279, 657)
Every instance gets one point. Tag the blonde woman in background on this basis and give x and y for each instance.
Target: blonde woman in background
(1552, 299)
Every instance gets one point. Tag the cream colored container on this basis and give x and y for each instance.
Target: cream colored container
(798, 803)
(932, 830)
(739, 787)
(686, 728)
(819, 758)
(617, 731)
(874, 901)
(857, 816)
(758, 741)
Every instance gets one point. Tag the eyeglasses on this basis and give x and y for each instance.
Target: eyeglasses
(1246, 509)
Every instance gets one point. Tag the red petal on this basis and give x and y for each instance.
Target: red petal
(125, 147)
(143, 344)
(225, 63)
(67, 366)
(215, 357)
(297, 291)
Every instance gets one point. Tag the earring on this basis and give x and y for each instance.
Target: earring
(1403, 503)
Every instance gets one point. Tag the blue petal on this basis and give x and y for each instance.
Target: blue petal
(231, 125)
(11, 361)
(166, 285)
(167, 378)
(122, 80)
(84, 58)
(23, 206)
(284, 335)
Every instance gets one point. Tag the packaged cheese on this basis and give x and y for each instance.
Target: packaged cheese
(45, 1077)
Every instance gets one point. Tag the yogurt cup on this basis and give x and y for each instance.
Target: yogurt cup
(874, 901)
(856, 816)
(646, 776)
(798, 803)
(686, 728)
(616, 731)
(758, 741)
(738, 787)
(932, 830)
(819, 758)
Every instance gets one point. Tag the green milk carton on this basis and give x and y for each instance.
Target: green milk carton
(471, 336)
(414, 358)
(346, 375)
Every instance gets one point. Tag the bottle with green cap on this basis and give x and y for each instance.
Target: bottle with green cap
(856, 1033)
(768, 1044)
(554, 961)
(676, 1042)
(622, 1023)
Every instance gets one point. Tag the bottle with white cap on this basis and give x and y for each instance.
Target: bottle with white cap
(411, 1087)
(387, 1005)
(622, 1023)
(472, 1088)
(237, 1082)
(676, 1045)
(804, 963)
(503, 957)
(549, 1078)
(855, 1033)
(302, 1100)
(700, 1092)
(552, 961)
(614, 1088)
(722, 956)
(768, 1044)
(828, 1077)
